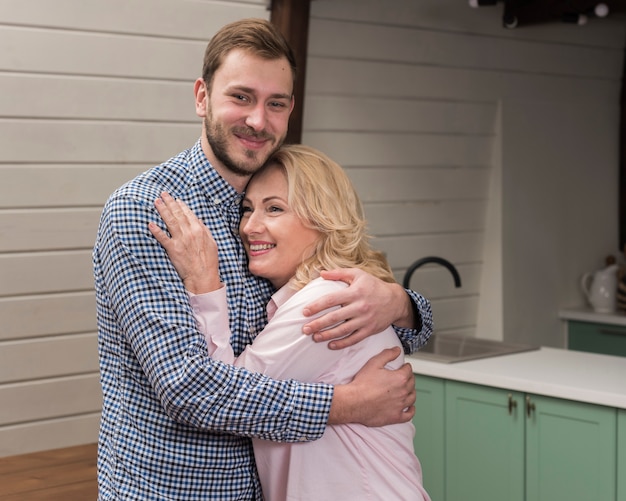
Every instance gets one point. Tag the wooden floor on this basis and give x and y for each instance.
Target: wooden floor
(58, 475)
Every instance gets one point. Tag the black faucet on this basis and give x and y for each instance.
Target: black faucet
(431, 259)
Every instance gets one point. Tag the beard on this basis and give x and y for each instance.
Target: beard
(217, 138)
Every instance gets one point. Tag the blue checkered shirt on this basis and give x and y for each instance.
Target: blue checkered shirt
(175, 423)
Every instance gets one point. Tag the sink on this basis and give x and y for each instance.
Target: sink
(450, 348)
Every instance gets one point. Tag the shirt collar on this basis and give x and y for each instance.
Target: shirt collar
(280, 297)
(214, 186)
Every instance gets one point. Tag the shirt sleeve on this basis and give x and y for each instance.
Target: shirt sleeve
(210, 310)
(152, 313)
(281, 350)
(413, 339)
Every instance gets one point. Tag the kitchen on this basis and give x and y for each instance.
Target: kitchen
(496, 149)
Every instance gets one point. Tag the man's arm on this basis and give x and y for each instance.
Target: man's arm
(153, 312)
(368, 306)
(376, 396)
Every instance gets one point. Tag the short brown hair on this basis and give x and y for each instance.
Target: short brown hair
(257, 36)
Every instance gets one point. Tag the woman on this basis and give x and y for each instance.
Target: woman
(300, 215)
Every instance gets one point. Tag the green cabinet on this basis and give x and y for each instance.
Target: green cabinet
(484, 443)
(607, 339)
(571, 450)
(506, 445)
(621, 455)
(429, 433)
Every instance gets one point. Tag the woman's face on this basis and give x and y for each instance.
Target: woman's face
(275, 238)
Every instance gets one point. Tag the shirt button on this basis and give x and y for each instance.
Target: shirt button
(216, 201)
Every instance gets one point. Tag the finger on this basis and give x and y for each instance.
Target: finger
(159, 234)
(333, 324)
(408, 413)
(346, 275)
(164, 208)
(345, 342)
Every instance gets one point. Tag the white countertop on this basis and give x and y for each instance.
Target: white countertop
(588, 315)
(553, 372)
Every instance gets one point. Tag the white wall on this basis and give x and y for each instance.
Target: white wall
(440, 116)
(493, 148)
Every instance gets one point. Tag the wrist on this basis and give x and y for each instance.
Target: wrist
(406, 313)
(342, 408)
(202, 285)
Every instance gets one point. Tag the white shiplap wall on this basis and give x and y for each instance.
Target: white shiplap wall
(426, 103)
(438, 113)
(91, 93)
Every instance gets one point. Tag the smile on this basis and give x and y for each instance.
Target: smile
(260, 247)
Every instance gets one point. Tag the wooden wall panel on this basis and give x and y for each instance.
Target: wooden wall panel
(401, 149)
(349, 40)
(383, 183)
(436, 282)
(47, 229)
(98, 142)
(36, 273)
(26, 317)
(455, 313)
(425, 217)
(90, 53)
(400, 114)
(31, 186)
(168, 18)
(54, 397)
(48, 357)
(49, 434)
(95, 97)
(466, 247)
(372, 79)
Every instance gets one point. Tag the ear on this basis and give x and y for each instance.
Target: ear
(201, 92)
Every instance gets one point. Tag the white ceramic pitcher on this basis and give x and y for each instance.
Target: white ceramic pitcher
(600, 288)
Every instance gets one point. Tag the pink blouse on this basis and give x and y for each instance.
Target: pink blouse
(351, 461)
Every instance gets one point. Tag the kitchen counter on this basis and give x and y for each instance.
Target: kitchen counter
(588, 315)
(553, 372)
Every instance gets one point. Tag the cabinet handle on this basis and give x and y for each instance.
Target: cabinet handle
(512, 404)
(530, 406)
(612, 332)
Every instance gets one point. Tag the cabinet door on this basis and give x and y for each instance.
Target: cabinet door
(484, 443)
(596, 338)
(570, 450)
(429, 434)
(621, 455)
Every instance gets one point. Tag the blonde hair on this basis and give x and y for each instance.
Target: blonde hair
(323, 197)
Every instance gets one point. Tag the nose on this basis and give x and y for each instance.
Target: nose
(256, 118)
(250, 224)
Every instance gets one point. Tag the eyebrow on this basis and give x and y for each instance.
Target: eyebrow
(250, 90)
(267, 199)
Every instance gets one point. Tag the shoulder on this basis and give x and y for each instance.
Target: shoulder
(322, 286)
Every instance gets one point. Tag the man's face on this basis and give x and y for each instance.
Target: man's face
(246, 112)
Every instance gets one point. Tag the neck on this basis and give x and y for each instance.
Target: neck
(235, 180)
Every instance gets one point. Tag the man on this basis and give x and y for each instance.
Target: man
(175, 423)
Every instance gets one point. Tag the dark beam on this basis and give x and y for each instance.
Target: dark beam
(622, 163)
(292, 18)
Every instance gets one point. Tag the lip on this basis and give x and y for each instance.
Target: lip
(252, 143)
(260, 248)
